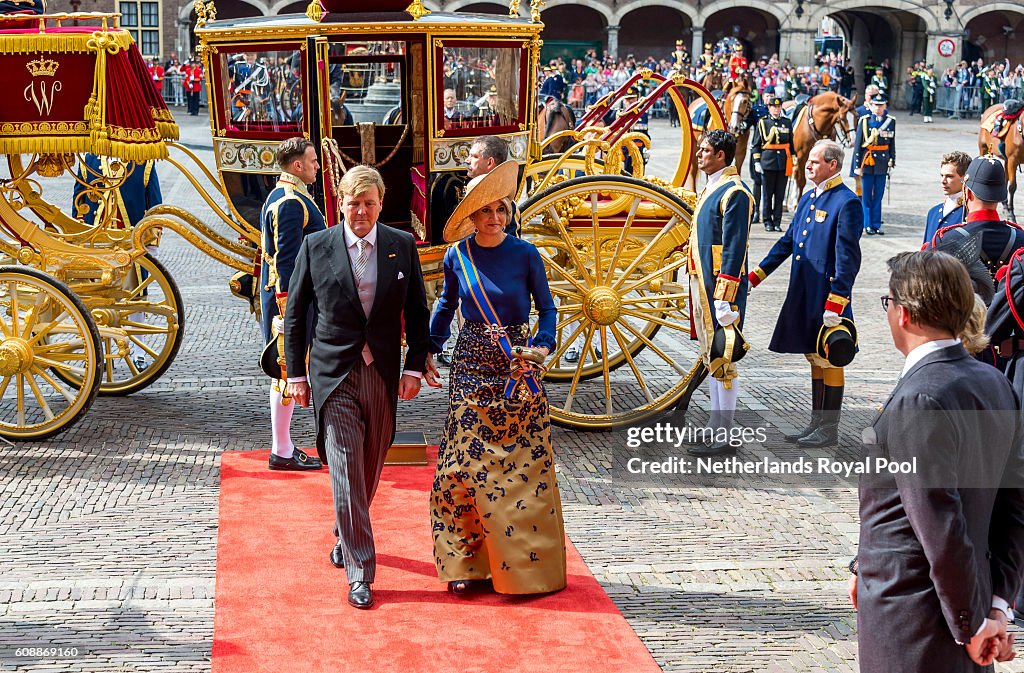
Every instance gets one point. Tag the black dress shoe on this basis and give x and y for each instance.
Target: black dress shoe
(360, 596)
(768, 227)
(716, 449)
(338, 556)
(444, 359)
(300, 460)
(869, 231)
(879, 232)
(466, 587)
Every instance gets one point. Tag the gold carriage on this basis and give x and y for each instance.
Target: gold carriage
(366, 88)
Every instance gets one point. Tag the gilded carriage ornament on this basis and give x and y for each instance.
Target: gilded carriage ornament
(43, 87)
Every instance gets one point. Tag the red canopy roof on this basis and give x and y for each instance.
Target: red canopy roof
(79, 89)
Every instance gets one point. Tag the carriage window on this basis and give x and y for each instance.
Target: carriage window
(481, 88)
(366, 91)
(262, 90)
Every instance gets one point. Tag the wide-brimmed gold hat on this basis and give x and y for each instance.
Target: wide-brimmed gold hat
(501, 183)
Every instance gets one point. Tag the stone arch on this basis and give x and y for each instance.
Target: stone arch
(601, 8)
(780, 12)
(460, 5)
(293, 7)
(984, 31)
(931, 21)
(633, 5)
(978, 10)
(651, 28)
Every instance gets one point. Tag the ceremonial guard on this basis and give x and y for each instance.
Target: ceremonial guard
(758, 111)
(773, 152)
(930, 86)
(553, 86)
(989, 82)
(737, 63)
(288, 216)
(874, 155)
(193, 83)
(707, 61)
(718, 282)
(817, 318)
(984, 190)
(952, 210)
(679, 60)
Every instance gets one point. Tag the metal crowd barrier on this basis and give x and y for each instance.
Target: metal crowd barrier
(174, 90)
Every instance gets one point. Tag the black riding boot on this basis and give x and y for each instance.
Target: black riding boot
(827, 433)
(817, 400)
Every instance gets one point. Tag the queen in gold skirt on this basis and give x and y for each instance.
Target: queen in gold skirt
(494, 506)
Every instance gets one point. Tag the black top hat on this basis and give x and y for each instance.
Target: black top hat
(838, 344)
(727, 346)
(986, 177)
(774, 100)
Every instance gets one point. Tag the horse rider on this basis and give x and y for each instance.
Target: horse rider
(737, 63)
(707, 61)
(758, 111)
(553, 86)
(874, 156)
(679, 60)
(773, 159)
(984, 189)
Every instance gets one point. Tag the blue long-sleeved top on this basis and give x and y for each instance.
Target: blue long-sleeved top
(512, 274)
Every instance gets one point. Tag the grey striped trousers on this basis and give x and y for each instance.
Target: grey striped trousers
(358, 425)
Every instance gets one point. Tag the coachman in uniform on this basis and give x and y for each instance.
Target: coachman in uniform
(718, 282)
(288, 216)
(874, 156)
(773, 152)
(984, 189)
(817, 317)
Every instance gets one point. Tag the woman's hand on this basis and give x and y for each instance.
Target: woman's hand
(432, 376)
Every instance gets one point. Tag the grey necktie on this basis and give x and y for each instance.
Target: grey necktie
(359, 267)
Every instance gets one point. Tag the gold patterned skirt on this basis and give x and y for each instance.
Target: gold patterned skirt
(494, 507)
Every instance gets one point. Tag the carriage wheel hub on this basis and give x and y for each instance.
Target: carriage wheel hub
(15, 357)
(602, 305)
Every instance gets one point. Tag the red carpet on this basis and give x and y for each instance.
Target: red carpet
(280, 604)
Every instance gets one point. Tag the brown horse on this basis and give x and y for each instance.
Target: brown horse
(736, 110)
(827, 115)
(1012, 150)
(554, 117)
(712, 79)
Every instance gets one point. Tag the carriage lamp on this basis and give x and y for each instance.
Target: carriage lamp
(799, 8)
(949, 9)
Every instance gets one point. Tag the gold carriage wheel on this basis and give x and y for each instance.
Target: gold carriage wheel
(44, 328)
(148, 319)
(613, 247)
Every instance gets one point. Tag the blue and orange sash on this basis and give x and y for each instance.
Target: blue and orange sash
(495, 329)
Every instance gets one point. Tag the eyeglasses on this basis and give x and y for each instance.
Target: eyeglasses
(886, 300)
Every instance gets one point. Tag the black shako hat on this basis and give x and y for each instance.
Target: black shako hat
(986, 177)
(838, 344)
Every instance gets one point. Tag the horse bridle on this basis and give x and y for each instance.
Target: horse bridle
(839, 124)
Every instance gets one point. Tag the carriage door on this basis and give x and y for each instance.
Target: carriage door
(374, 92)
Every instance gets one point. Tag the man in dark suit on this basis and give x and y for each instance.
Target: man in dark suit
(942, 543)
(364, 279)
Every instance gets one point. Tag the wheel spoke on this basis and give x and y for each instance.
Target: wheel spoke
(650, 344)
(623, 232)
(76, 372)
(142, 286)
(20, 378)
(660, 271)
(647, 249)
(143, 346)
(555, 266)
(12, 289)
(70, 397)
(556, 356)
(571, 245)
(40, 333)
(47, 412)
(555, 290)
(579, 368)
(650, 317)
(108, 363)
(571, 319)
(596, 226)
(632, 365)
(3, 386)
(607, 375)
(656, 297)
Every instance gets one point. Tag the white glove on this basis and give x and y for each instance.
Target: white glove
(830, 319)
(277, 325)
(757, 167)
(856, 171)
(723, 311)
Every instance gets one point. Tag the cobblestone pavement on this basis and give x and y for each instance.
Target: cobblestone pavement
(109, 531)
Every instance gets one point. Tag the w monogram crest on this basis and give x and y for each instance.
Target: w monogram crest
(41, 90)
